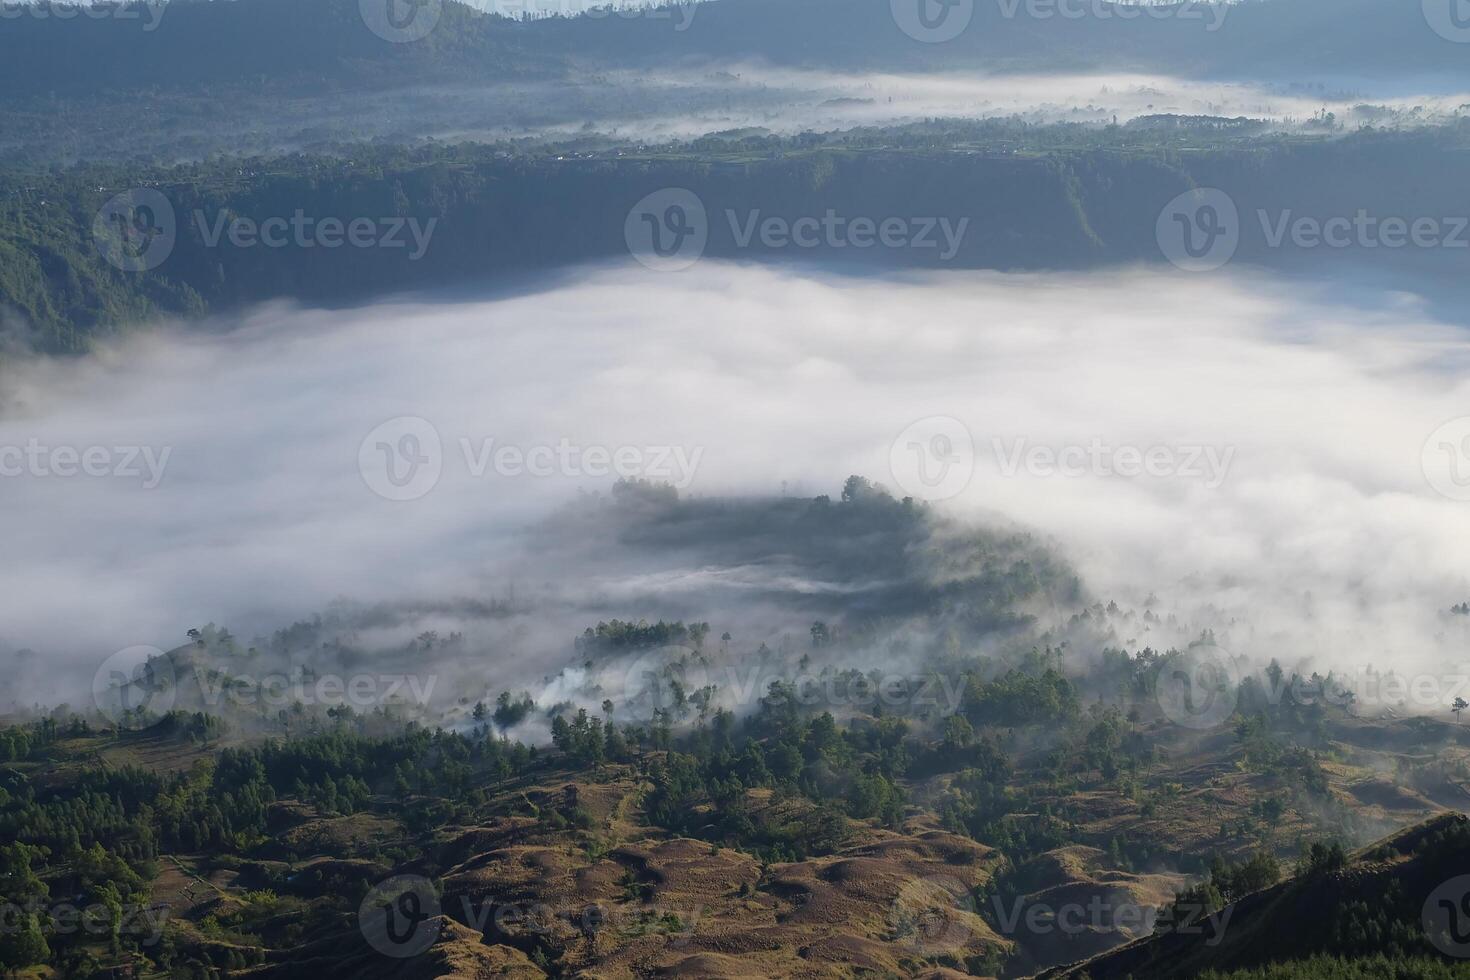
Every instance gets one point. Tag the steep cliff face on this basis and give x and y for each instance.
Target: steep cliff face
(469, 216)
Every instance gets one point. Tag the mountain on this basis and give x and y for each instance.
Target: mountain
(185, 44)
(1402, 898)
(1255, 39)
(477, 216)
(188, 45)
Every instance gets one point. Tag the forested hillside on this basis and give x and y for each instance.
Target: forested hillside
(476, 216)
(188, 43)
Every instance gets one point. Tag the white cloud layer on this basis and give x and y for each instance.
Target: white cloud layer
(1323, 532)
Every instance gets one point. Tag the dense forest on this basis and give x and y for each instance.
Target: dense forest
(475, 215)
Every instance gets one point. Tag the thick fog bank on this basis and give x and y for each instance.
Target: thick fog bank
(1241, 447)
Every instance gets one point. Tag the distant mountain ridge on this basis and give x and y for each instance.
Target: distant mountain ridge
(188, 43)
(310, 43)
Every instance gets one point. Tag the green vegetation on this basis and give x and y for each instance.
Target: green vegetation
(1372, 967)
(1037, 197)
(1061, 769)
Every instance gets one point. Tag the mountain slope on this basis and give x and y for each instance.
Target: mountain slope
(328, 43)
(1383, 900)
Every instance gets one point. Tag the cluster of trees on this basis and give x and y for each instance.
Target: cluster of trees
(509, 712)
(702, 789)
(618, 635)
(585, 741)
(1226, 883)
(1036, 693)
(18, 742)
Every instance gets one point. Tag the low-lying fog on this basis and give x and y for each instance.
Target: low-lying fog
(1294, 472)
(689, 103)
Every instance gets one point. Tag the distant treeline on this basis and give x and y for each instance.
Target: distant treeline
(338, 231)
(189, 44)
